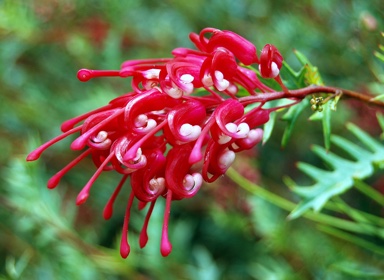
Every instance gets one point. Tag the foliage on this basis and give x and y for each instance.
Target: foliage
(343, 173)
(225, 232)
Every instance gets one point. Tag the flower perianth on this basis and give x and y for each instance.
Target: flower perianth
(185, 122)
(218, 158)
(271, 62)
(178, 176)
(225, 128)
(243, 50)
(149, 183)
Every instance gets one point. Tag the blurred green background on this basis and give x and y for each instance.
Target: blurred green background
(222, 233)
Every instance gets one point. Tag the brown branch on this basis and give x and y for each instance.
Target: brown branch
(303, 92)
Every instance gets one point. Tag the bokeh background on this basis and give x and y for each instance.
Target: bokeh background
(224, 232)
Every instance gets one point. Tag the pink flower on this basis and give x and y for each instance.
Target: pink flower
(271, 62)
(183, 112)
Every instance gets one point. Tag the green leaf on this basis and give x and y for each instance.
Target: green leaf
(329, 183)
(302, 58)
(291, 78)
(381, 47)
(379, 97)
(268, 127)
(326, 121)
(325, 117)
(360, 242)
(312, 75)
(291, 117)
(266, 81)
(15, 267)
(308, 75)
(380, 118)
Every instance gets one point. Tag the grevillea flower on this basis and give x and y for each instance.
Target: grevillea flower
(271, 62)
(181, 124)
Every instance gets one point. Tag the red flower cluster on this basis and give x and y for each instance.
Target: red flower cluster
(181, 125)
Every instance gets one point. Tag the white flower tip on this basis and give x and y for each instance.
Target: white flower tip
(207, 80)
(101, 141)
(141, 120)
(101, 136)
(151, 74)
(157, 185)
(221, 84)
(190, 132)
(174, 92)
(231, 127)
(255, 135)
(151, 124)
(188, 88)
(242, 130)
(223, 139)
(219, 75)
(232, 89)
(275, 70)
(186, 78)
(143, 123)
(192, 181)
(226, 159)
(185, 129)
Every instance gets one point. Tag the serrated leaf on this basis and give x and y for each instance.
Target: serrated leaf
(313, 78)
(308, 75)
(291, 78)
(302, 58)
(312, 75)
(329, 183)
(291, 117)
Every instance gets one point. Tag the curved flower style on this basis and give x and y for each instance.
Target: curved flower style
(271, 62)
(182, 111)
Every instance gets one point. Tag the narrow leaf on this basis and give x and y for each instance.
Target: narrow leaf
(355, 240)
(379, 97)
(327, 125)
(291, 118)
(268, 127)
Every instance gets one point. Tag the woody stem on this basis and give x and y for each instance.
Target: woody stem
(303, 92)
